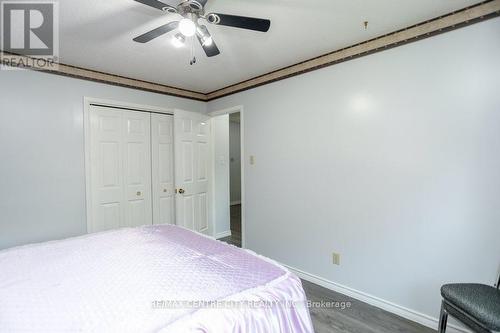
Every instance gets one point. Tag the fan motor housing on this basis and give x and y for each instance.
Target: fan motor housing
(195, 5)
(170, 10)
(191, 6)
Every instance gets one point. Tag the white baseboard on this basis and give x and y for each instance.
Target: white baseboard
(232, 203)
(375, 301)
(223, 234)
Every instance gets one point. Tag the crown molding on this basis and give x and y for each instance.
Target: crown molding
(455, 20)
(21, 61)
(452, 21)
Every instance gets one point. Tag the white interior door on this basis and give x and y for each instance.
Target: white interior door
(192, 132)
(120, 168)
(162, 149)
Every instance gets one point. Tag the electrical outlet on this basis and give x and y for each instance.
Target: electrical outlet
(336, 258)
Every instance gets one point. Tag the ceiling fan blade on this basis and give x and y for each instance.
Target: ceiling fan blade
(155, 4)
(148, 36)
(211, 49)
(243, 22)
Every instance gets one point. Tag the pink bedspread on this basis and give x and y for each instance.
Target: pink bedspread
(147, 279)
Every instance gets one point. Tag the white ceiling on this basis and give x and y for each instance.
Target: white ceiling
(98, 34)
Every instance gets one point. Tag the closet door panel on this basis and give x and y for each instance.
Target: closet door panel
(120, 168)
(137, 168)
(107, 192)
(162, 147)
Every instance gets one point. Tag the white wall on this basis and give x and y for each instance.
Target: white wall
(42, 179)
(220, 132)
(235, 161)
(391, 159)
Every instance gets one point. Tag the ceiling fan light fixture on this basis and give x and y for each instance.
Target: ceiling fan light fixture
(178, 40)
(187, 27)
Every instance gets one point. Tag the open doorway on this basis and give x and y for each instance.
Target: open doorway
(235, 178)
(228, 204)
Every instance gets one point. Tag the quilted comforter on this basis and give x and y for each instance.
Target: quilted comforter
(147, 279)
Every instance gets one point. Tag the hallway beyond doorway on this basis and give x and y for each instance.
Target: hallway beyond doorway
(235, 238)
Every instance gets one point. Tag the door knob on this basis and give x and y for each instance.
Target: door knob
(164, 190)
(138, 193)
(181, 191)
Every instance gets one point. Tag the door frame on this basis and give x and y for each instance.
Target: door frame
(234, 109)
(87, 103)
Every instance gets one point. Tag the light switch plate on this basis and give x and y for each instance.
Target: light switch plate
(336, 258)
(252, 160)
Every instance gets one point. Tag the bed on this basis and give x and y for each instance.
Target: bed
(147, 279)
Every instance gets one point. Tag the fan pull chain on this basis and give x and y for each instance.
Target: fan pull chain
(193, 56)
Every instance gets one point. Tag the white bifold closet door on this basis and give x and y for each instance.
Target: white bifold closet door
(133, 178)
(192, 169)
(120, 155)
(162, 150)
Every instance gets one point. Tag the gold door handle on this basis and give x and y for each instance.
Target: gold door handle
(181, 191)
(139, 193)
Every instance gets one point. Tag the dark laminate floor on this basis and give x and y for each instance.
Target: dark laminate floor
(236, 219)
(235, 238)
(359, 318)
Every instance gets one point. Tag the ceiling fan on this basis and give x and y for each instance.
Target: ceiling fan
(192, 11)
